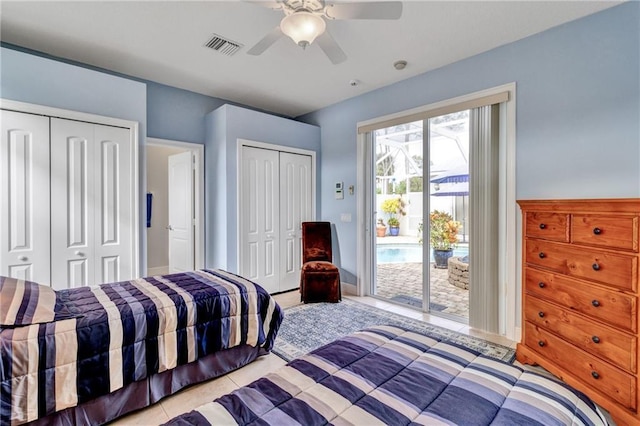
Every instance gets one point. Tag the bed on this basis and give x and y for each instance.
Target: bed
(388, 375)
(91, 354)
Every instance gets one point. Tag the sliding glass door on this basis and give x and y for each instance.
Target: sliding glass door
(422, 211)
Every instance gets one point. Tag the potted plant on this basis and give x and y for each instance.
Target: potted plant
(394, 226)
(381, 228)
(394, 207)
(443, 236)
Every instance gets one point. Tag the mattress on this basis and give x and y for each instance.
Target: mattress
(388, 375)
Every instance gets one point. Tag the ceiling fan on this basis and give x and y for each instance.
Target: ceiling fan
(304, 22)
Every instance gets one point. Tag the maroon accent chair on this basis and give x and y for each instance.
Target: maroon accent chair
(319, 278)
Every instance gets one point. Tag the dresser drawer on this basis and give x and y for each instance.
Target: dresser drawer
(595, 373)
(604, 342)
(617, 270)
(612, 307)
(618, 232)
(549, 226)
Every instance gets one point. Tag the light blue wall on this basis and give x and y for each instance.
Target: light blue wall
(178, 114)
(225, 126)
(578, 114)
(38, 80)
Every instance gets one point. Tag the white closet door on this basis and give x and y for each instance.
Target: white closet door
(91, 229)
(72, 195)
(259, 220)
(181, 225)
(112, 204)
(24, 195)
(295, 208)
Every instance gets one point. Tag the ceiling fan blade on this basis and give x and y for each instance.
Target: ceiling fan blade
(365, 10)
(266, 42)
(329, 46)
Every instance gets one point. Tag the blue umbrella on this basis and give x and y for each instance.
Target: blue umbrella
(451, 189)
(456, 175)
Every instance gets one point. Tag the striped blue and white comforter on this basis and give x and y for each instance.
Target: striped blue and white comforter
(386, 375)
(108, 336)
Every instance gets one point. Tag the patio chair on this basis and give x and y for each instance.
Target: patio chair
(319, 278)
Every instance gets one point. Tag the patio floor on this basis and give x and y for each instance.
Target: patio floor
(405, 280)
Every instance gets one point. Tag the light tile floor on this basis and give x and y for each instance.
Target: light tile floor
(194, 396)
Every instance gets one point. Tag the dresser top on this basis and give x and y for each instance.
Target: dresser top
(586, 206)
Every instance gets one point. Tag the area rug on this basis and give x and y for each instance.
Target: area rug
(413, 301)
(307, 327)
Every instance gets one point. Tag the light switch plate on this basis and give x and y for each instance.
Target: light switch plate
(345, 217)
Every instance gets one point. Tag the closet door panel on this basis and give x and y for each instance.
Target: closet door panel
(295, 208)
(72, 194)
(259, 224)
(112, 204)
(24, 195)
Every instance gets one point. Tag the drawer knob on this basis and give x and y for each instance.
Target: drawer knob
(595, 267)
(541, 314)
(595, 339)
(597, 231)
(595, 375)
(595, 303)
(541, 284)
(541, 255)
(540, 343)
(543, 226)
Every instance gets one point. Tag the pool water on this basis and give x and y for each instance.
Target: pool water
(408, 253)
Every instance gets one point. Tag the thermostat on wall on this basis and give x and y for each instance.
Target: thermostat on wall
(339, 191)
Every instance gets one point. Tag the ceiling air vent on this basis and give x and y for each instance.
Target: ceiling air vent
(223, 45)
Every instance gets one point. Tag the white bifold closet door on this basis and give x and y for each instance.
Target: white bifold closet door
(276, 196)
(295, 208)
(24, 194)
(90, 214)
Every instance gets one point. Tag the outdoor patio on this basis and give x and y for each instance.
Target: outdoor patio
(402, 282)
(405, 279)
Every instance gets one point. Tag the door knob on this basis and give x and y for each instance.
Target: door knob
(292, 235)
(23, 258)
(269, 237)
(170, 228)
(79, 253)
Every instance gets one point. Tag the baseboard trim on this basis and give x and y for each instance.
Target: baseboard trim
(349, 289)
(159, 270)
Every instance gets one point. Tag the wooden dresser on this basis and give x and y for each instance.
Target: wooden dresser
(580, 297)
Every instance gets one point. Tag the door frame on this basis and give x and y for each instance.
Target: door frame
(133, 126)
(273, 147)
(197, 150)
(509, 251)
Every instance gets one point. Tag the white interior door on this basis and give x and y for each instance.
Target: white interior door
(91, 180)
(24, 197)
(181, 213)
(295, 208)
(259, 220)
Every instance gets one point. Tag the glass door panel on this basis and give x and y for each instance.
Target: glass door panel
(449, 214)
(398, 168)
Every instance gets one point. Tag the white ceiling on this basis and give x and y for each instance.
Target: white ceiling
(163, 41)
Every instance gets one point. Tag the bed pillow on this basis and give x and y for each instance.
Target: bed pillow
(25, 302)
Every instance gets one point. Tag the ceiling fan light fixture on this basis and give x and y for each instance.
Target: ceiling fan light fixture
(302, 27)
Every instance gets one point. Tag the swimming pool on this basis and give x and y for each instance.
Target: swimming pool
(407, 253)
